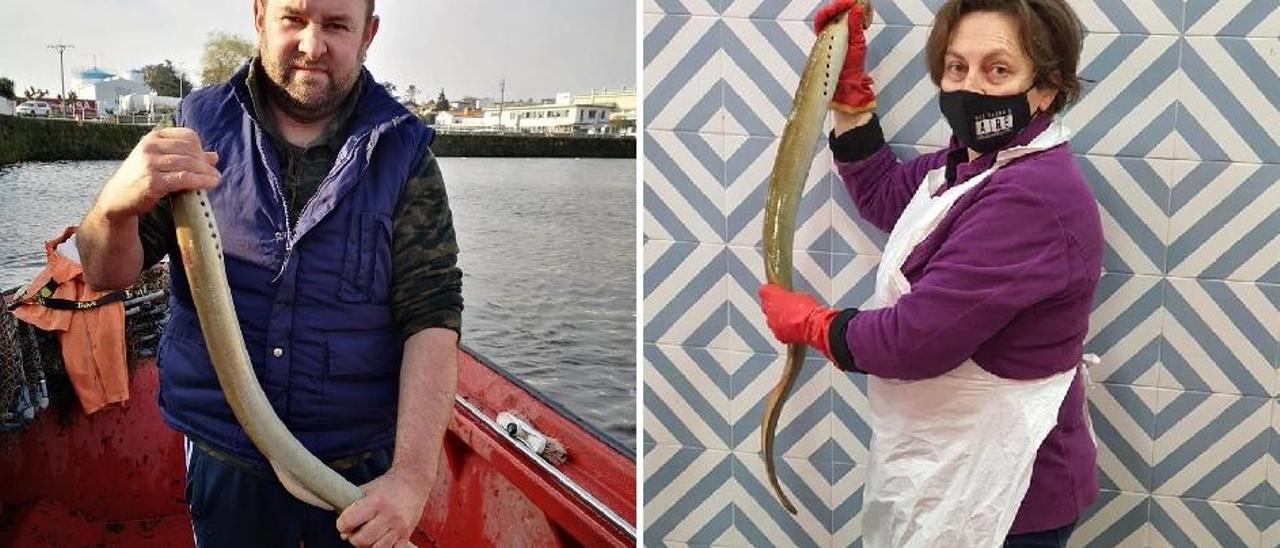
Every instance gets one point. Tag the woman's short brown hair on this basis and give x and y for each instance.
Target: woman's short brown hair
(1050, 33)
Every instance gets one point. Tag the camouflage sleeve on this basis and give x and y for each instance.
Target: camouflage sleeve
(426, 283)
(155, 229)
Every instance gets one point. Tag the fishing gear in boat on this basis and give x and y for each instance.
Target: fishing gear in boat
(44, 297)
(33, 373)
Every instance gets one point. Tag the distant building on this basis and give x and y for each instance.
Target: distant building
(106, 88)
(133, 104)
(107, 91)
(461, 119)
(93, 74)
(622, 101)
(596, 112)
(550, 118)
(466, 103)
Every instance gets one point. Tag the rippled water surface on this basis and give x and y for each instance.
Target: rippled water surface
(548, 256)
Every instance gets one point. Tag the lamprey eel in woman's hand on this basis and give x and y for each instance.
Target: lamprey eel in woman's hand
(786, 185)
(301, 472)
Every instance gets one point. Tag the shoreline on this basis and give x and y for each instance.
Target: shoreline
(37, 140)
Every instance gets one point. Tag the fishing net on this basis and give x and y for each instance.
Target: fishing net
(32, 374)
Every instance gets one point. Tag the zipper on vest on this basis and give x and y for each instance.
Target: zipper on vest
(284, 204)
(344, 157)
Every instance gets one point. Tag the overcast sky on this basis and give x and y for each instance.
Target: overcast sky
(541, 47)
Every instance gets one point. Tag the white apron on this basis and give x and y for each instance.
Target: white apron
(951, 456)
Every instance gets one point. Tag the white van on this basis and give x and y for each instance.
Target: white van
(33, 108)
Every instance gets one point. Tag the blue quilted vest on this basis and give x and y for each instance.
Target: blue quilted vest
(312, 299)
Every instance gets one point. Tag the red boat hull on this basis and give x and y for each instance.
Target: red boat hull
(116, 478)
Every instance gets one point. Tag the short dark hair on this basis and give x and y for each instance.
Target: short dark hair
(368, 12)
(1051, 35)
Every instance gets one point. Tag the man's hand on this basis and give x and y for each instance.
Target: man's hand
(164, 161)
(389, 511)
(392, 503)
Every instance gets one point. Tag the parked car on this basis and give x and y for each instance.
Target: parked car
(33, 108)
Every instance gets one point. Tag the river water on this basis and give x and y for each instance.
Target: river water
(548, 259)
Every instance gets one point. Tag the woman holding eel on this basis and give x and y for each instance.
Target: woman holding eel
(973, 343)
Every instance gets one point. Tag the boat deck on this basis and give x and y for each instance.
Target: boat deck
(115, 478)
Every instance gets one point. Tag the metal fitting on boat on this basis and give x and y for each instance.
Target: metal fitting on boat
(522, 431)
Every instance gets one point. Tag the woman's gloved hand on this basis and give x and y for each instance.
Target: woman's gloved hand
(853, 93)
(797, 318)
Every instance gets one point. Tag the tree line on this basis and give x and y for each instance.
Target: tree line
(223, 54)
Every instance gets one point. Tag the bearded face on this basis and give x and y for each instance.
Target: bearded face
(312, 51)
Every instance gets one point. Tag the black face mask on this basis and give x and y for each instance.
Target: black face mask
(985, 123)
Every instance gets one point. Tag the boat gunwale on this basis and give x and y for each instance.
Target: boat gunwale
(556, 406)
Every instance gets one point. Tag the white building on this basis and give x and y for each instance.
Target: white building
(622, 101)
(465, 103)
(107, 92)
(549, 118)
(597, 112)
(145, 104)
(461, 119)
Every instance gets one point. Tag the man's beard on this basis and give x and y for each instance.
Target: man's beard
(305, 101)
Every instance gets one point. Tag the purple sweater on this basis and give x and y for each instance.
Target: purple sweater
(1006, 279)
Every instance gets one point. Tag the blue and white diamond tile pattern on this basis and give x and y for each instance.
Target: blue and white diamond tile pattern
(1176, 135)
(1130, 17)
(1221, 225)
(686, 50)
(1124, 422)
(1125, 327)
(1232, 80)
(906, 100)
(804, 430)
(1194, 522)
(747, 165)
(690, 387)
(772, 10)
(684, 293)
(763, 59)
(746, 273)
(1130, 108)
(808, 484)
(1120, 519)
(1232, 18)
(688, 7)
(1219, 337)
(1132, 195)
(687, 165)
(850, 432)
(694, 488)
(1211, 446)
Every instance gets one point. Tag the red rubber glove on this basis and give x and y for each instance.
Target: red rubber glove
(797, 318)
(853, 94)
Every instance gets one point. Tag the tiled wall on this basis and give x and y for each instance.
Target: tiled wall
(1180, 139)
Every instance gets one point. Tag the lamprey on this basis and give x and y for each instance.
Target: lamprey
(202, 259)
(786, 185)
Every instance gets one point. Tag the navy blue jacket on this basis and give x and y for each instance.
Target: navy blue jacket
(312, 299)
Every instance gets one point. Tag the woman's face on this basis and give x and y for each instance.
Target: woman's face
(985, 56)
